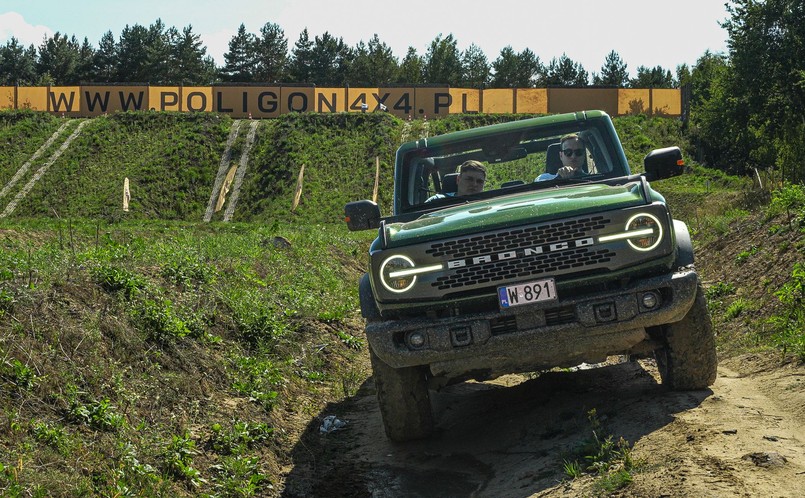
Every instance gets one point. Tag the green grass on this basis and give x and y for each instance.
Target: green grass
(126, 347)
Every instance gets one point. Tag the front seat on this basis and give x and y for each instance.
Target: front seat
(552, 160)
(449, 184)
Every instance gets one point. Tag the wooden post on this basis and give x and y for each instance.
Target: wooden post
(126, 194)
(377, 178)
(298, 195)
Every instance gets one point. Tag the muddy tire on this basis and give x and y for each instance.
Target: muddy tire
(404, 401)
(688, 361)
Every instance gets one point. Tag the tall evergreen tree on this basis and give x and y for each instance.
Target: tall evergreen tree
(105, 60)
(506, 69)
(443, 62)
(85, 71)
(159, 65)
(530, 69)
(373, 64)
(189, 58)
(330, 59)
(412, 68)
(240, 61)
(301, 59)
(565, 72)
(17, 64)
(271, 54)
(613, 72)
(133, 55)
(58, 60)
(475, 66)
(654, 77)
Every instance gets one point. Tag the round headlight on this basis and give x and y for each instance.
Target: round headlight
(647, 232)
(394, 276)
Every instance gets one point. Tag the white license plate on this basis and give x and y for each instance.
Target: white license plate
(527, 293)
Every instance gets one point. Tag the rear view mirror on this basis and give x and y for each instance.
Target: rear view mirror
(664, 163)
(362, 215)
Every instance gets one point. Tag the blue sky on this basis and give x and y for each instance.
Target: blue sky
(647, 32)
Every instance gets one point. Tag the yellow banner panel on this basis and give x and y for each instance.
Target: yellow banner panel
(97, 100)
(331, 100)
(32, 97)
(164, 98)
(297, 99)
(499, 100)
(633, 101)
(532, 100)
(196, 99)
(582, 99)
(666, 101)
(431, 102)
(357, 98)
(65, 100)
(465, 100)
(247, 101)
(398, 101)
(6, 97)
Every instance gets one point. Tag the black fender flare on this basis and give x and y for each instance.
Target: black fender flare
(367, 298)
(684, 245)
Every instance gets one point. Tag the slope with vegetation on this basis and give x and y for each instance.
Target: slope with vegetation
(148, 353)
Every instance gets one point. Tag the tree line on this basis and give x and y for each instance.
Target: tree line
(162, 55)
(748, 106)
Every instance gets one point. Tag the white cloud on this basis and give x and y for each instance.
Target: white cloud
(14, 25)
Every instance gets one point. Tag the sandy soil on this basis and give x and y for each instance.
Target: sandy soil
(508, 438)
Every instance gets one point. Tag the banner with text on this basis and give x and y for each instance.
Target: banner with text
(256, 101)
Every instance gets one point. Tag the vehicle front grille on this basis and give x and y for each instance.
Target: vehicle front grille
(508, 240)
(509, 269)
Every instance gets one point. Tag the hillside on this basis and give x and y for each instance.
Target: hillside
(150, 354)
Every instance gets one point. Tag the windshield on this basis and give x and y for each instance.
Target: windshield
(486, 165)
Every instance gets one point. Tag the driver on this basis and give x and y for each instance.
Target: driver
(573, 153)
(470, 180)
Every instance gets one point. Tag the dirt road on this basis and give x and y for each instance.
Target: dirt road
(508, 438)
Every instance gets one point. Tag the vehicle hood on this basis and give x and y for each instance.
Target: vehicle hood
(512, 210)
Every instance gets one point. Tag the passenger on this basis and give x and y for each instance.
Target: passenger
(573, 154)
(470, 180)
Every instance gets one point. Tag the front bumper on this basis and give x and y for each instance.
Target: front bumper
(527, 338)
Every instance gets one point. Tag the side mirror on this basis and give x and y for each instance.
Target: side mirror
(664, 163)
(362, 215)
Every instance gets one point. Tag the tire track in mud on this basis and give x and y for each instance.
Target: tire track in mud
(508, 438)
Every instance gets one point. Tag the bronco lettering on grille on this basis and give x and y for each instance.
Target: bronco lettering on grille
(520, 253)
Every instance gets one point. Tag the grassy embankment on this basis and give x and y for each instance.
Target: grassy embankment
(147, 353)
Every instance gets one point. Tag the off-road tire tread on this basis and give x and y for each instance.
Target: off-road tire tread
(689, 361)
(402, 394)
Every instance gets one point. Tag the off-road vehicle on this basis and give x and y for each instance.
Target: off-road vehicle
(527, 275)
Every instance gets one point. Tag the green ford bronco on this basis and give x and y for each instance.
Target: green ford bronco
(537, 270)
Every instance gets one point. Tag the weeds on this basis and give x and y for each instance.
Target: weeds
(98, 414)
(791, 200)
(350, 340)
(611, 461)
(6, 302)
(240, 437)
(256, 377)
(719, 290)
(789, 326)
(743, 256)
(53, 436)
(238, 476)
(19, 374)
(736, 308)
(178, 459)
